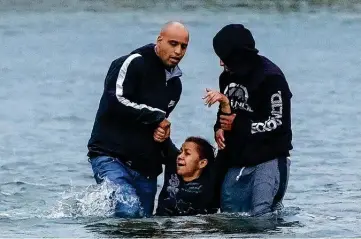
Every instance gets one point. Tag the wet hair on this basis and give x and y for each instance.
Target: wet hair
(204, 149)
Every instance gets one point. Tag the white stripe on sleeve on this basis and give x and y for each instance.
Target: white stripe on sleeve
(119, 87)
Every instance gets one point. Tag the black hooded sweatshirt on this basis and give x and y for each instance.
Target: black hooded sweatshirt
(260, 97)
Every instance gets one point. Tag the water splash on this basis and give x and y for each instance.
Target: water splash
(95, 201)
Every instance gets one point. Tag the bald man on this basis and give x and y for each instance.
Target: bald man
(131, 130)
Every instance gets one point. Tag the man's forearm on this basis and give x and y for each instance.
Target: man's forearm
(225, 107)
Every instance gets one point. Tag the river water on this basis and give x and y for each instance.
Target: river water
(53, 59)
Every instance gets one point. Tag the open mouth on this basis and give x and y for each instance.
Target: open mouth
(175, 59)
(180, 163)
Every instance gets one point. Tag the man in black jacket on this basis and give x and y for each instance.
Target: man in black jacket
(254, 132)
(131, 127)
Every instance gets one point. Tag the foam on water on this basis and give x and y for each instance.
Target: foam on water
(95, 201)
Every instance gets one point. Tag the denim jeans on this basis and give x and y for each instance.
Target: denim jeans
(135, 194)
(255, 190)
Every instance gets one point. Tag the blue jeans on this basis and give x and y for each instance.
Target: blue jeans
(255, 190)
(134, 193)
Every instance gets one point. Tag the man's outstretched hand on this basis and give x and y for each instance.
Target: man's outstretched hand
(213, 96)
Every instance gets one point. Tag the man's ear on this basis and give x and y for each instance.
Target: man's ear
(159, 38)
(203, 163)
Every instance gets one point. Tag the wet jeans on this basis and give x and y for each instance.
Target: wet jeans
(134, 194)
(255, 190)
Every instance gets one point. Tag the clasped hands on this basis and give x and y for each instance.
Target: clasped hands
(162, 132)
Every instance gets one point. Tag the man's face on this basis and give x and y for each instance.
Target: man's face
(221, 63)
(172, 45)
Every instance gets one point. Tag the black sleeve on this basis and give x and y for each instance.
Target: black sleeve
(170, 153)
(217, 124)
(218, 172)
(124, 96)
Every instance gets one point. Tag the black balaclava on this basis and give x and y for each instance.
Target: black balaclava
(235, 46)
